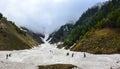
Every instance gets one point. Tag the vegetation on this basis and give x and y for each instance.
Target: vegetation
(1, 15)
(12, 37)
(61, 33)
(101, 41)
(18, 29)
(35, 36)
(97, 17)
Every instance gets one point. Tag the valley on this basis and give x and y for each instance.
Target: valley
(48, 54)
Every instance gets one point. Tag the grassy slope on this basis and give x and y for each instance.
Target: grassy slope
(105, 16)
(10, 39)
(106, 40)
(103, 35)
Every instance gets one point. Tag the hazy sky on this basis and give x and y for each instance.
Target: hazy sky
(44, 15)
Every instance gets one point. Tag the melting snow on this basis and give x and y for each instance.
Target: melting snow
(47, 54)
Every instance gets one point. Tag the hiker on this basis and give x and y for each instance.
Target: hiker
(72, 54)
(9, 54)
(6, 56)
(84, 55)
(67, 54)
(51, 51)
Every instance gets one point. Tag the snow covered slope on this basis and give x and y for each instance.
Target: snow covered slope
(47, 54)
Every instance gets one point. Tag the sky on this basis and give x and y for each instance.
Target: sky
(44, 16)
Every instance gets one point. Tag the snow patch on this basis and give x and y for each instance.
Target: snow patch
(46, 54)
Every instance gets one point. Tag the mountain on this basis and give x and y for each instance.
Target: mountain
(84, 24)
(101, 41)
(37, 36)
(97, 30)
(61, 33)
(12, 37)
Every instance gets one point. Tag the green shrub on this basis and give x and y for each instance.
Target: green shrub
(1, 15)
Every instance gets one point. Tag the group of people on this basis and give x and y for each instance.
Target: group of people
(73, 55)
(8, 55)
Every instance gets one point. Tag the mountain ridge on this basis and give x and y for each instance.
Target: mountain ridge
(37, 36)
(12, 37)
(61, 33)
(106, 16)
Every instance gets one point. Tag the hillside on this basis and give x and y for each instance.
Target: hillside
(60, 34)
(100, 41)
(104, 38)
(97, 30)
(12, 37)
(37, 36)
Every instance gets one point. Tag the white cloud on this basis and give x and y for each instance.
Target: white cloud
(44, 15)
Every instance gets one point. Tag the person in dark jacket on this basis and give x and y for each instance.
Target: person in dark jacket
(84, 55)
(67, 54)
(7, 56)
(72, 54)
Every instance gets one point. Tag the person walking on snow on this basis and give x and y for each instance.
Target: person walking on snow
(84, 55)
(72, 54)
(6, 56)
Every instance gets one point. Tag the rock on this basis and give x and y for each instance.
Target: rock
(58, 66)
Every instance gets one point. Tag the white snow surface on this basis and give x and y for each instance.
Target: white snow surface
(47, 54)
